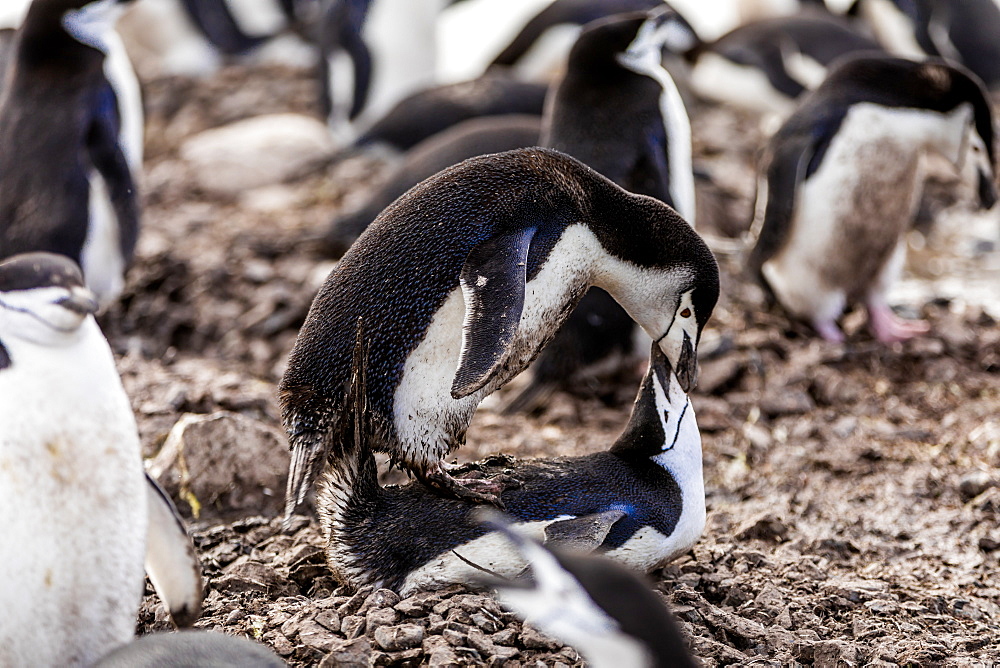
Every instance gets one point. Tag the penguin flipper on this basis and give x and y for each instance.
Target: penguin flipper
(492, 280)
(171, 561)
(584, 533)
(109, 159)
(656, 149)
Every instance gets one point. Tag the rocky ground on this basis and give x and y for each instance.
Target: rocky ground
(853, 490)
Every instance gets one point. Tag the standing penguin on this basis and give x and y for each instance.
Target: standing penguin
(374, 52)
(843, 180)
(72, 143)
(457, 286)
(618, 111)
(77, 507)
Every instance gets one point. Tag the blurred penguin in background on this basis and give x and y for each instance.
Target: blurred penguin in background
(374, 52)
(962, 31)
(843, 179)
(71, 129)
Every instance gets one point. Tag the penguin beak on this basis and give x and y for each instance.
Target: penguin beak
(682, 358)
(987, 191)
(80, 300)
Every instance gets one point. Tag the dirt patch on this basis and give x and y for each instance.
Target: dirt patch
(853, 491)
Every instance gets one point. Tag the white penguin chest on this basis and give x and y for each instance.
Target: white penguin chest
(428, 421)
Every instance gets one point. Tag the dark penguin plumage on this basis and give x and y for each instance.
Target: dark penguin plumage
(457, 286)
(216, 22)
(204, 649)
(617, 111)
(374, 53)
(66, 185)
(609, 613)
(640, 503)
(963, 31)
(478, 136)
(767, 64)
(843, 178)
(433, 110)
(562, 13)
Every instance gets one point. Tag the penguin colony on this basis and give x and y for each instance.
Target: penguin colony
(473, 261)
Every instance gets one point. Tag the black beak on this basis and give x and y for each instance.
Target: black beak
(80, 301)
(687, 366)
(987, 191)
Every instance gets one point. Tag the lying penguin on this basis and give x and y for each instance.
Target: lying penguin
(641, 503)
(477, 136)
(457, 286)
(79, 513)
(843, 181)
(433, 110)
(599, 607)
(71, 128)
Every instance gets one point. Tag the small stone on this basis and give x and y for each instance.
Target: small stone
(505, 637)
(279, 643)
(380, 598)
(786, 402)
(328, 618)
(487, 623)
(453, 637)
(975, 483)
(352, 626)
(411, 607)
(882, 607)
(316, 637)
(353, 604)
(834, 654)
(245, 575)
(531, 638)
(435, 624)
(348, 654)
(765, 527)
(395, 638)
(443, 657)
(381, 617)
(235, 616)
(480, 642)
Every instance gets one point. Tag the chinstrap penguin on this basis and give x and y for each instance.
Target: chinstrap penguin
(204, 649)
(603, 609)
(477, 136)
(640, 503)
(540, 48)
(72, 143)
(79, 510)
(842, 180)
(457, 286)
(617, 110)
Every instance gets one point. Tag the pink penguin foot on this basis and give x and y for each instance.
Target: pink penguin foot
(829, 330)
(890, 328)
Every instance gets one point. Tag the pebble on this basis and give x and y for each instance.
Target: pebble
(349, 654)
(975, 483)
(402, 637)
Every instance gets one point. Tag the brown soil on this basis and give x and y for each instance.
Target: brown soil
(853, 491)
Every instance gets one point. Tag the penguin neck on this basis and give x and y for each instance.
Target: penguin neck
(44, 43)
(662, 427)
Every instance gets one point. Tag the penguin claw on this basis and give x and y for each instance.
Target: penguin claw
(474, 490)
(890, 328)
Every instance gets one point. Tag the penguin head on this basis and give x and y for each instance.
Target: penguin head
(662, 29)
(665, 277)
(42, 298)
(607, 612)
(635, 40)
(87, 22)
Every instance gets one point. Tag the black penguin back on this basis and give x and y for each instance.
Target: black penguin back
(477, 136)
(53, 86)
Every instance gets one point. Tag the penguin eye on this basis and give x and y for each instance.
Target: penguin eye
(686, 313)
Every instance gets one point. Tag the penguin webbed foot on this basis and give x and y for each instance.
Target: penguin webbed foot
(473, 489)
(890, 328)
